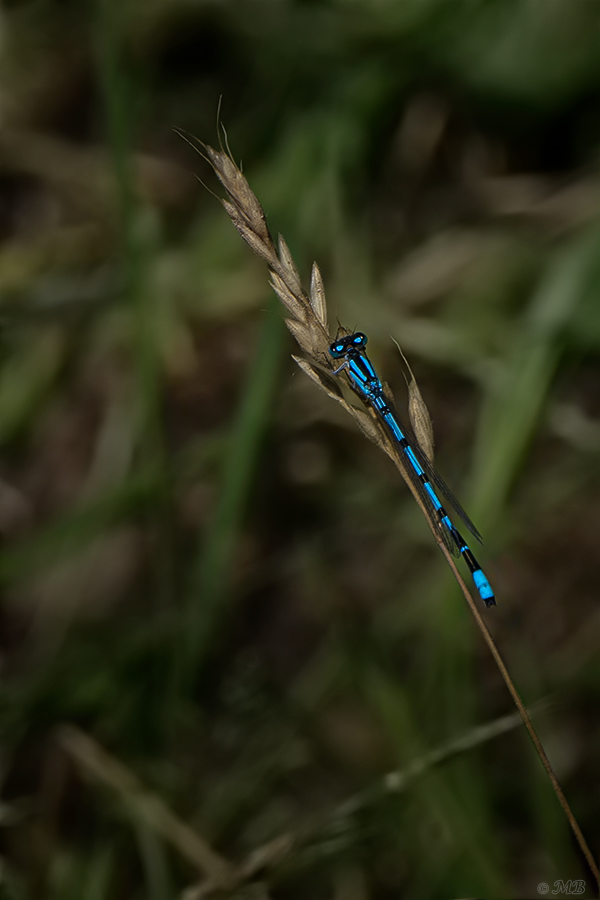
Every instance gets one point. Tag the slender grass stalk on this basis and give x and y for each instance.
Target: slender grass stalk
(539, 748)
(308, 324)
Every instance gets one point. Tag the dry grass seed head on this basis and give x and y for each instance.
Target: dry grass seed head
(307, 319)
(418, 412)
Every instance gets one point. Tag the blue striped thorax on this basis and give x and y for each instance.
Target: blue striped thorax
(352, 349)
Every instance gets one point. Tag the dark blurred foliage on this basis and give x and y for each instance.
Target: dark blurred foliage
(206, 570)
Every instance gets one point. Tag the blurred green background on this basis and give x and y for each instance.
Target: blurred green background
(205, 567)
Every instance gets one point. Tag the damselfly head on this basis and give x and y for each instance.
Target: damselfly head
(341, 346)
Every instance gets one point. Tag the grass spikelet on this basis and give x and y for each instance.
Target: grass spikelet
(420, 418)
(290, 267)
(418, 412)
(288, 299)
(245, 202)
(317, 295)
(248, 216)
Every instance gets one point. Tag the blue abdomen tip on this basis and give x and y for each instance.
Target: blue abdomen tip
(484, 587)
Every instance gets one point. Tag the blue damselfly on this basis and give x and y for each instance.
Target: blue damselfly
(367, 384)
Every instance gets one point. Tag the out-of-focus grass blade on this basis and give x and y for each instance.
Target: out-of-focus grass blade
(456, 817)
(512, 410)
(117, 98)
(211, 578)
(25, 378)
(154, 860)
(76, 529)
(137, 247)
(118, 111)
(99, 873)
